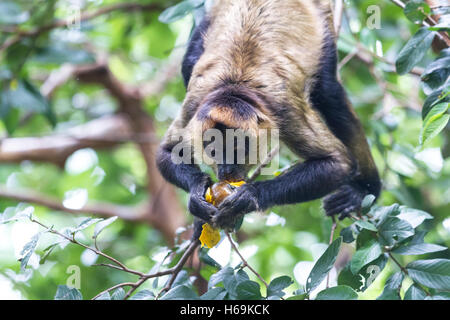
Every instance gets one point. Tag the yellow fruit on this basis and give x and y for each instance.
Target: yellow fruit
(210, 236)
(216, 194)
(220, 190)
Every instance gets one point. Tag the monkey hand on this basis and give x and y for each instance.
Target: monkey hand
(344, 201)
(243, 201)
(197, 205)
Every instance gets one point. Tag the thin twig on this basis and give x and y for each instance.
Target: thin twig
(98, 252)
(117, 286)
(398, 263)
(245, 263)
(431, 22)
(175, 270)
(268, 159)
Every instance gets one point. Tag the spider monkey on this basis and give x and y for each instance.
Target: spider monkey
(271, 64)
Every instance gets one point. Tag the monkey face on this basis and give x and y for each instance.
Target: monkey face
(231, 124)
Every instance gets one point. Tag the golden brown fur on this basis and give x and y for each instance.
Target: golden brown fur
(272, 64)
(275, 54)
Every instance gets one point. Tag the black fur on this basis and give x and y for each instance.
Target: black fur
(306, 181)
(328, 95)
(329, 98)
(194, 51)
(190, 178)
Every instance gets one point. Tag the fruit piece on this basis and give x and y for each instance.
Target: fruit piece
(220, 190)
(210, 236)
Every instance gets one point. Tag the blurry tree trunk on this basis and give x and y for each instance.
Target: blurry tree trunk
(167, 214)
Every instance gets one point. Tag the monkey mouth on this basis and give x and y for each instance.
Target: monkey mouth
(231, 172)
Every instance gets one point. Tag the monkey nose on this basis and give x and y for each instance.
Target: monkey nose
(230, 172)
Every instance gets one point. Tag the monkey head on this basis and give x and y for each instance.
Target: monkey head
(234, 126)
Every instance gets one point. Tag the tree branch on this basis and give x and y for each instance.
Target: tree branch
(429, 21)
(85, 16)
(245, 263)
(338, 13)
(103, 209)
(101, 133)
(167, 215)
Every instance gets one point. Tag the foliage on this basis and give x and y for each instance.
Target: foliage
(397, 83)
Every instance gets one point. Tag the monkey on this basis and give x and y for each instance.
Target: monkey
(270, 64)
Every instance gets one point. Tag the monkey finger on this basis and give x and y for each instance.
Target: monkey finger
(201, 209)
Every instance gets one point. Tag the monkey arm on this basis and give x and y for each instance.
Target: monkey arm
(306, 181)
(191, 179)
(186, 174)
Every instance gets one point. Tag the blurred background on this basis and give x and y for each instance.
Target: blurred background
(87, 90)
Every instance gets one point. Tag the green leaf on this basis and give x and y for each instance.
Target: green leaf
(363, 256)
(143, 295)
(414, 50)
(119, 294)
(436, 74)
(298, 297)
(382, 213)
(393, 230)
(182, 278)
(220, 276)
(337, 293)
(433, 273)
(420, 248)
(204, 257)
(434, 123)
(367, 203)
(414, 217)
(277, 285)
(179, 11)
(102, 225)
(416, 11)
(365, 277)
(12, 214)
(366, 225)
(104, 296)
(48, 251)
(66, 293)
(61, 53)
(348, 234)
(22, 95)
(86, 224)
(440, 296)
(28, 250)
(241, 276)
(180, 293)
(248, 290)
(442, 26)
(392, 287)
(323, 265)
(214, 294)
(414, 292)
(433, 99)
